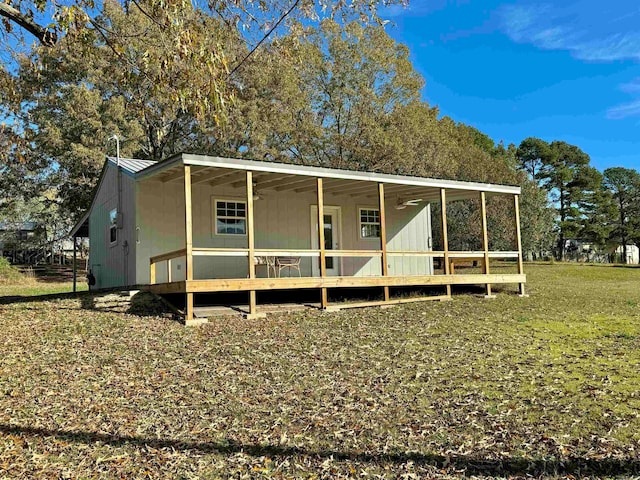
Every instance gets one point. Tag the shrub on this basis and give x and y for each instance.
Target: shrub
(9, 273)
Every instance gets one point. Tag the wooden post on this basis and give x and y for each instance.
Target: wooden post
(75, 269)
(188, 240)
(485, 240)
(383, 238)
(516, 205)
(169, 271)
(445, 237)
(152, 273)
(253, 313)
(323, 261)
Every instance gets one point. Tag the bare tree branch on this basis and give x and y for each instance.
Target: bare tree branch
(277, 24)
(46, 36)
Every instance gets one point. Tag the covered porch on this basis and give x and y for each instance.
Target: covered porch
(232, 220)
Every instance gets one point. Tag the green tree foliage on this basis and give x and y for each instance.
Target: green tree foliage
(599, 214)
(567, 176)
(537, 220)
(203, 95)
(623, 187)
(532, 154)
(66, 106)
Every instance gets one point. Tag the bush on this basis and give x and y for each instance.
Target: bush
(9, 273)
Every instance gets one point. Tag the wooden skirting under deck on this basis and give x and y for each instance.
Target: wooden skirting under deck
(248, 284)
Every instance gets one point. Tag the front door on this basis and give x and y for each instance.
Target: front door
(331, 239)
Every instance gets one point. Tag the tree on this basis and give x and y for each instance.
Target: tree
(623, 185)
(66, 106)
(352, 81)
(532, 154)
(536, 220)
(206, 95)
(567, 176)
(599, 215)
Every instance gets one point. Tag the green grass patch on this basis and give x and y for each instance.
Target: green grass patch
(543, 386)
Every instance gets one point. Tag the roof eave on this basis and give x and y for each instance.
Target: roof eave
(253, 165)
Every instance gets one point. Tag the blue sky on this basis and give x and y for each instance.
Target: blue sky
(567, 70)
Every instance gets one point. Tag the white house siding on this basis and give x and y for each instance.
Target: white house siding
(281, 219)
(113, 265)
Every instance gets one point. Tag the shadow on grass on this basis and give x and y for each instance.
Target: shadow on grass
(577, 466)
(46, 297)
(110, 301)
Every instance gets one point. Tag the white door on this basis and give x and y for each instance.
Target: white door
(332, 238)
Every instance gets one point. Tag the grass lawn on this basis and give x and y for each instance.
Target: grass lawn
(33, 288)
(547, 385)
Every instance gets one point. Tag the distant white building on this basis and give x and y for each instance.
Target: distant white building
(633, 254)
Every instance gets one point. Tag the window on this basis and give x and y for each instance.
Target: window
(369, 222)
(113, 226)
(231, 217)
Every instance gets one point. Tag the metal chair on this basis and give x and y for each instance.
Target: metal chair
(288, 262)
(268, 262)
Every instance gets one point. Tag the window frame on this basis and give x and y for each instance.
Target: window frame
(215, 216)
(361, 223)
(113, 225)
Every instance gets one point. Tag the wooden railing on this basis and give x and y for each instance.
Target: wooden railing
(276, 252)
(165, 257)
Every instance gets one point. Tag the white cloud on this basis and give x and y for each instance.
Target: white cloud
(631, 109)
(586, 29)
(571, 29)
(632, 87)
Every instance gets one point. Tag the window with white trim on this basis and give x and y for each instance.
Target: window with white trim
(113, 226)
(369, 222)
(231, 217)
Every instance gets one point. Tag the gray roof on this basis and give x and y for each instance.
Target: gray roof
(132, 165)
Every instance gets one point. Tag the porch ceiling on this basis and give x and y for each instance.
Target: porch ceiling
(279, 182)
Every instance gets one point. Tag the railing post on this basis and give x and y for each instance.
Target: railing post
(383, 238)
(188, 236)
(253, 313)
(75, 268)
(323, 264)
(485, 240)
(152, 272)
(516, 205)
(445, 236)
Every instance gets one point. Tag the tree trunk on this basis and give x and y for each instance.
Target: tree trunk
(563, 215)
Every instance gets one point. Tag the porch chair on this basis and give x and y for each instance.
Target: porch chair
(266, 261)
(288, 262)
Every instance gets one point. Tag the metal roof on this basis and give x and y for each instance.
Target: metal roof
(132, 165)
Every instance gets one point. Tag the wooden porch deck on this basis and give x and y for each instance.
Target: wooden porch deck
(200, 313)
(257, 284)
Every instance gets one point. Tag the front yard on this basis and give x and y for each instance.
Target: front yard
(546, 385)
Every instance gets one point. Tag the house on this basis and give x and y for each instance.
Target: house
(196, 224)
(16, 239)
(581, 251)
(633, 255)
